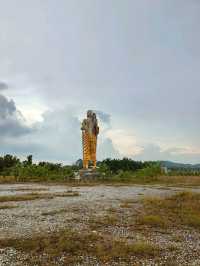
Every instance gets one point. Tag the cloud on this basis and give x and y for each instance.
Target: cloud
(184, 151)
(155, 152)
(3, 85)
(146, 78)
(57, 138)
(59, 135)
(12, 122)
(106, 149)
(124, 142)
(104, 117)
(152, 152)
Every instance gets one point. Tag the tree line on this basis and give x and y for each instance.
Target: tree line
(125, 164)
(28, 171)
(25, 170)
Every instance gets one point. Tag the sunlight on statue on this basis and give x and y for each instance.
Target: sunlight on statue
(90, 131)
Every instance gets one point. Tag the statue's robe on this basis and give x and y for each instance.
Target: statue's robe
(90, 131)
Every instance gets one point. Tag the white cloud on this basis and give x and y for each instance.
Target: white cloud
(125, 142)
(33, 113)
(184, 151)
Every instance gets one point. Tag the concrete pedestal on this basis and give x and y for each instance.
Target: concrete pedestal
(88, 174)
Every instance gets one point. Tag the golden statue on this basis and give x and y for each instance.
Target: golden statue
(90, 131)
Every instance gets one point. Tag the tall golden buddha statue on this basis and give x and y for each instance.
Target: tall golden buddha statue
(90, 131)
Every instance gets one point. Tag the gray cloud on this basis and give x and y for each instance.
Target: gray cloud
(136, 60)
(57, 138)
(154, 152)
(3, 85)
(11, 120)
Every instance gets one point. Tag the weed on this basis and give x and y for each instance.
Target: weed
(5, 207)
(152, 220)
(25, 197)
(54, 212)
(76, 244)
(182, 208)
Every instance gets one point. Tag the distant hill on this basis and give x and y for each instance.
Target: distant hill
(173, 165)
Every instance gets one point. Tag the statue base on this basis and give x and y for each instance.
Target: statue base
(88, 174)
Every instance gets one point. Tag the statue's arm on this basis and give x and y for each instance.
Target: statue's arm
(96, 130)
(84, 125)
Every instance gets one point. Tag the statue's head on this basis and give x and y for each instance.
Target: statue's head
(90, 114)
(90, 124)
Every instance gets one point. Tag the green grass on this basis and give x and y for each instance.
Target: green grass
(147, 176)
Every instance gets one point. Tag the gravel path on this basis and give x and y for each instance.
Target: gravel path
(39, 216)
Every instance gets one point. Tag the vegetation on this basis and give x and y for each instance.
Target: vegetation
(113, 166)
(35, 196)
(24, 197)
(128, 170)
(152, 220)
(73, 247)
(50, 213)
(181, 209)
(184, 172)
(12, 169)
(5, 207)
(97, 222)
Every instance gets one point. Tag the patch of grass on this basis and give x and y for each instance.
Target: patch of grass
(171, 262)
(172, 248)
(192, 220)
(174, 180)
(5, 207)
(110, 220)
(103, 221)
(143, 248)
(128, 203)
(29, 189)
(112, 250)
(36, 196)
(152, 220)
(67, 194)
(111, 210)
(177, 238)
(75, 245)
(25, 197)
(7, 179)
(54, 212)
(181, 209)
(125, 205)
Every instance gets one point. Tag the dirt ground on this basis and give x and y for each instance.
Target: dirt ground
(44, 215)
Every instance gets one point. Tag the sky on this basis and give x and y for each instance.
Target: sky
(136, 63)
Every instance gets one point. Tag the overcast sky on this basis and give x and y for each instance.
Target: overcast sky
(136, 62)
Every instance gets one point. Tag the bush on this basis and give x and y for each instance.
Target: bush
(27, 171)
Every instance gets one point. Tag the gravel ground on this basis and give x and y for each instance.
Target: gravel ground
(31, 217)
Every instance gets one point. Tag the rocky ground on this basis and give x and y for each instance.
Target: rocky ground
(83, 212)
